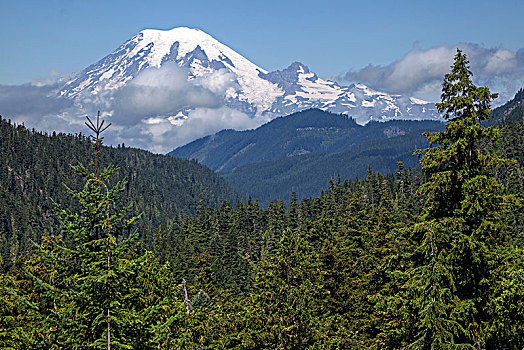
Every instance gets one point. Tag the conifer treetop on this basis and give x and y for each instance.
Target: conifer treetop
(460, 97)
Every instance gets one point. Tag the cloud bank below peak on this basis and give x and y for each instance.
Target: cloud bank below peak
(162, 108)
(141, 112)
(421, 71)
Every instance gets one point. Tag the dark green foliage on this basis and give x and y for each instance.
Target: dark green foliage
(310, 131)
(103, 290)
(460, 240)
(306, 276)
(301, 152)
(281, 311)
(511, 111)
(11, 312)
(307, 175)
(511, 145)
(416, 259)
(337, 258)
(34, 167)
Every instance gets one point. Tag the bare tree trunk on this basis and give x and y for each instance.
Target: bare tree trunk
(109, 301)
(186, 299)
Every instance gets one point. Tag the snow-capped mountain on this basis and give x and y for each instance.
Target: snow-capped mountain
(304, 89)
(253, 90)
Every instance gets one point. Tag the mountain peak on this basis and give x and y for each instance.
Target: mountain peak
(298, 67)
(242, 85)
(288, 78)
(173, 44)
(191, 48)
(174, 30)
(170, 36)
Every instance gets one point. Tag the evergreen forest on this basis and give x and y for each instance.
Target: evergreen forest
(301, 152)
(139, 251)
(35, 173)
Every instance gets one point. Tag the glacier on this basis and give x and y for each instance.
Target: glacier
(253, 91)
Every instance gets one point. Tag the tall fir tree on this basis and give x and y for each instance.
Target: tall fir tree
(460, 241)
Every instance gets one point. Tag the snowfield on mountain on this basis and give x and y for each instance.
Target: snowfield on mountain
(239, 83)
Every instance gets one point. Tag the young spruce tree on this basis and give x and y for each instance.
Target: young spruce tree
(103, 290)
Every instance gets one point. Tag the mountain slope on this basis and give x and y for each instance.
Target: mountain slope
(304, 132)
(34, 168)
(190, 48)
(307, 175)
(513, 110)
(250, 89)
(304, 89)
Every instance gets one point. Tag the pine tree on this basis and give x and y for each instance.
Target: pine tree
(103, 290)
(280, 311)
(460, 238)
(11, 327)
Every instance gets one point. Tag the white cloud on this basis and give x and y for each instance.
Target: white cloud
(139, 112)
(29, 103)
(159, 92)
(53, 77)
(218, 81)
(501, 62)
(142, 111)
(420, 72)
(163, 136)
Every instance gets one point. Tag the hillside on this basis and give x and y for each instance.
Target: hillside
(36, 167)
(308, 175)
(424, 258)
(306, 132)
(302, 152)
(513, 110)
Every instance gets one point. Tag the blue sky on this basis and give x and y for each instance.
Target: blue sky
(398, 47)
(331, 37)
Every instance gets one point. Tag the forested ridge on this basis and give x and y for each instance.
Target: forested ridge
(35, 171)
(301, 152)
(425, 258)
(308, 174)
(304, 132)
